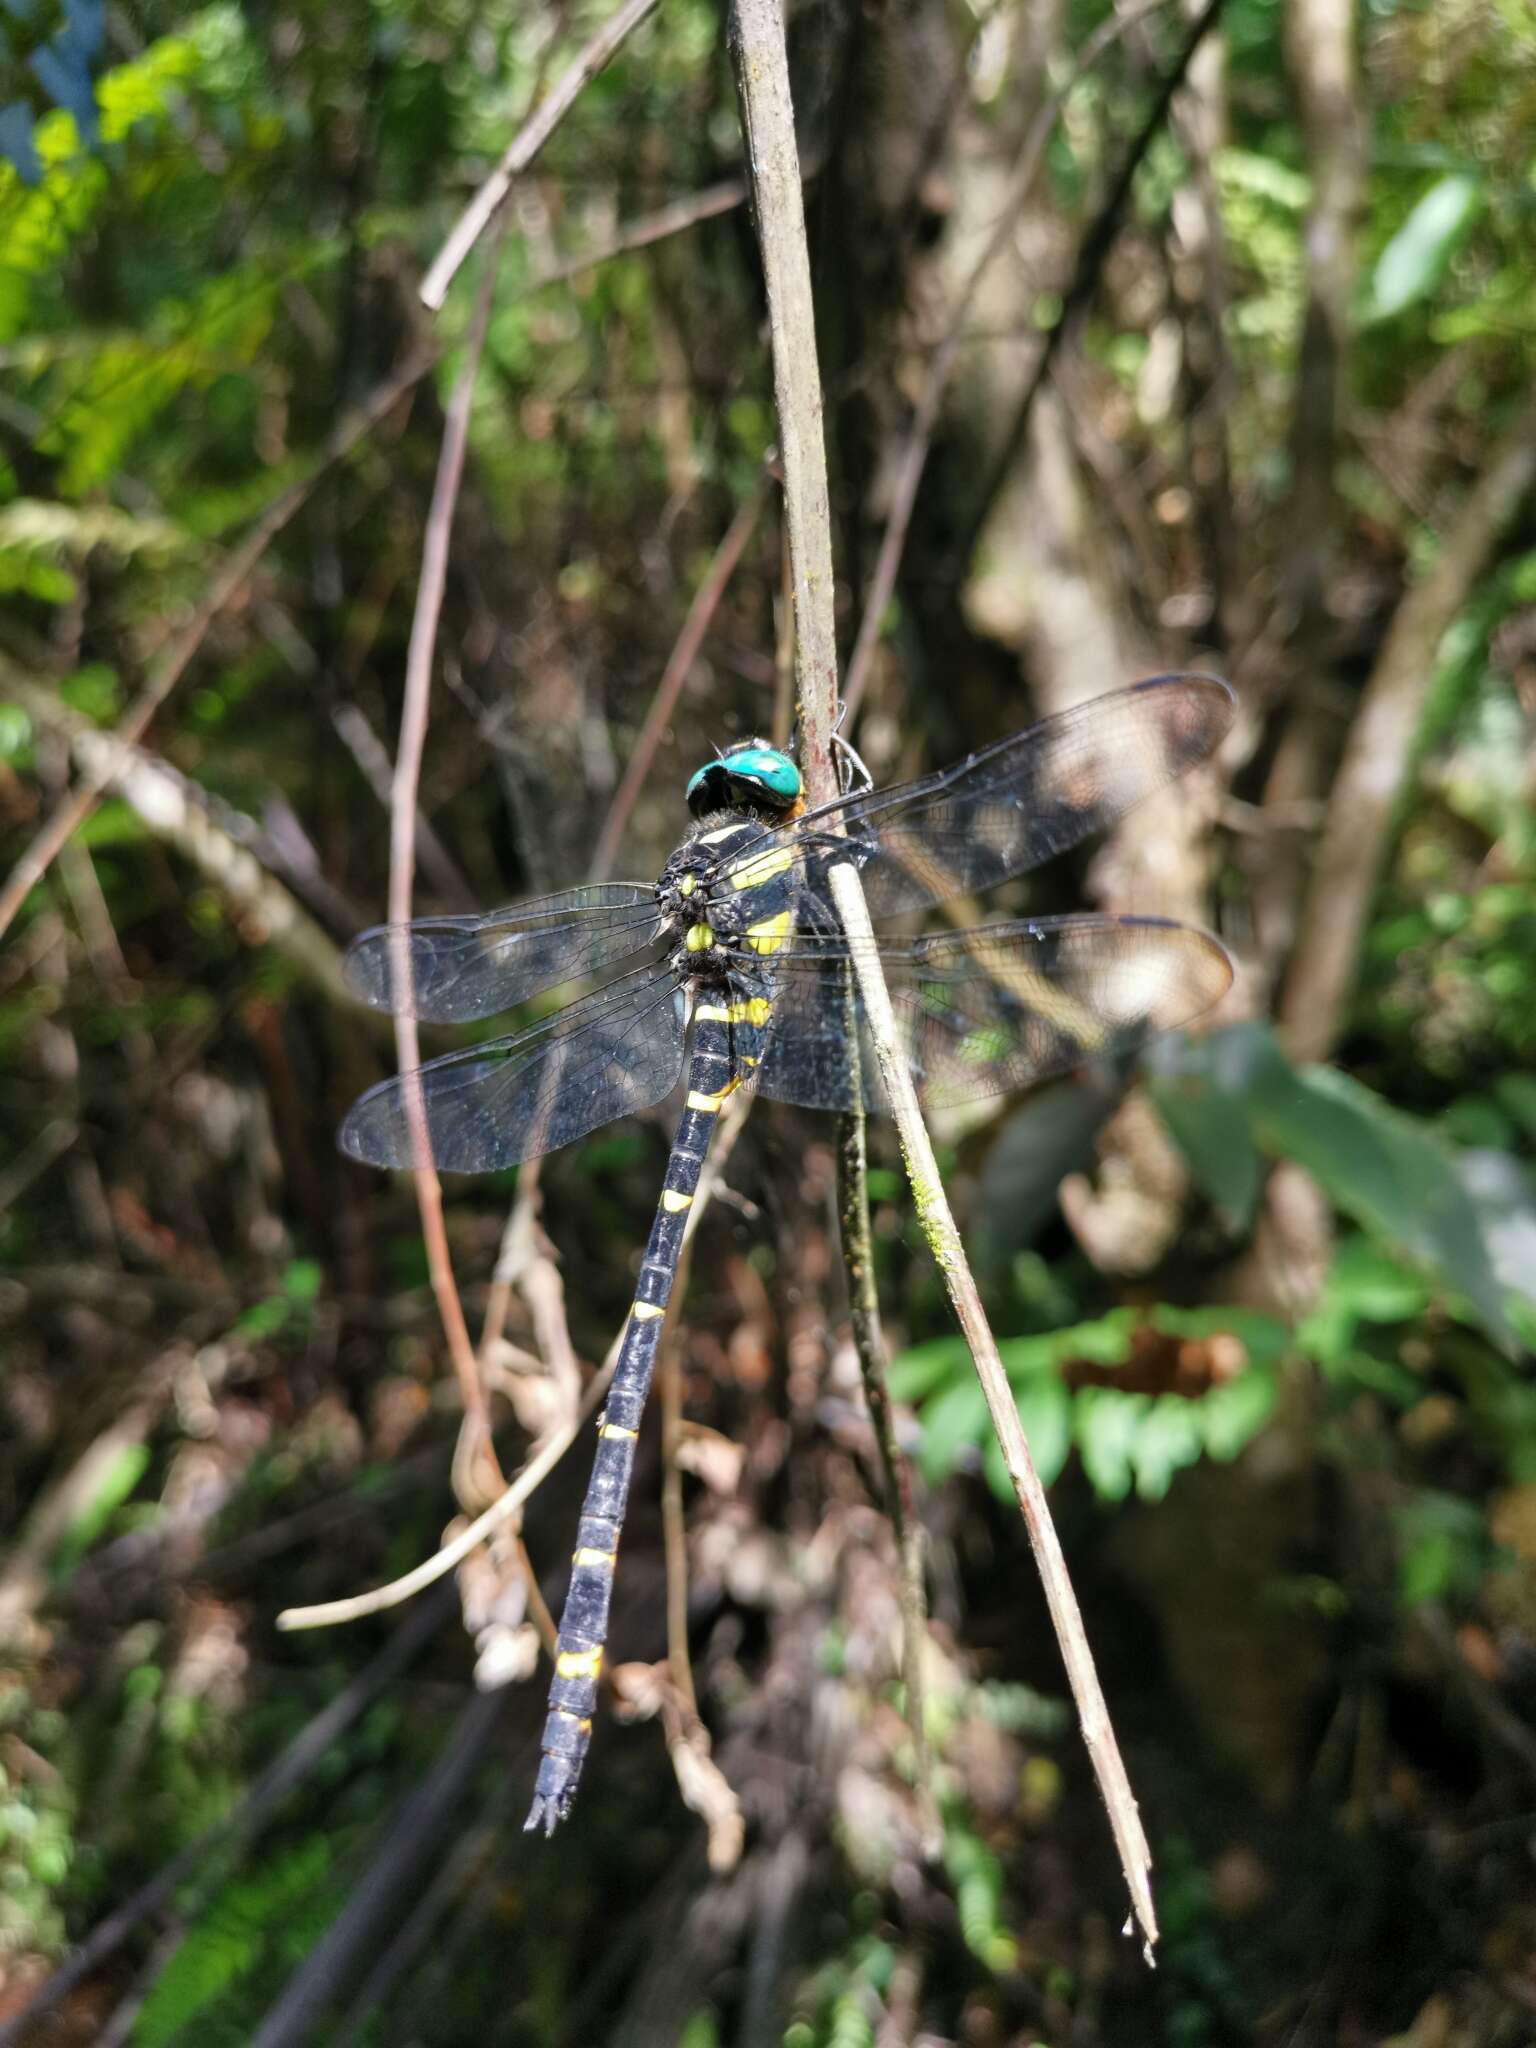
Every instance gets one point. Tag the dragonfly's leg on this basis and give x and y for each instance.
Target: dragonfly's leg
(584, 1624)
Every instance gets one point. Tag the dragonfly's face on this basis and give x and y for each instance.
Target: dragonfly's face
(750, 777)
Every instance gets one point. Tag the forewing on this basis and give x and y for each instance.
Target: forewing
(492, 1105)
(1028, 798)
(984, 1011)
(448, 970)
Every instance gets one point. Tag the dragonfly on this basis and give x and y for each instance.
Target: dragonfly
(732, 969)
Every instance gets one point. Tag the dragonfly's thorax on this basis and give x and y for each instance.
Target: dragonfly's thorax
(726, 893)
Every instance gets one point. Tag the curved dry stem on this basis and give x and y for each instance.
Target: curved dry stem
(944, 1241)
(414, 714)
(554, 1447)
(544, 1460)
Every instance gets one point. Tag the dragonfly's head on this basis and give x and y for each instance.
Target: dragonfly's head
(751, 776)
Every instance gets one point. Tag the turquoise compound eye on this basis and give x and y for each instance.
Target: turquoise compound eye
(746, 775)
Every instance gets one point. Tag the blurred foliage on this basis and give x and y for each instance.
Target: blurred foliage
(224, 1386)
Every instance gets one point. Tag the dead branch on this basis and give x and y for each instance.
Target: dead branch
(767, 120)
(1379, 752)
(178, 812)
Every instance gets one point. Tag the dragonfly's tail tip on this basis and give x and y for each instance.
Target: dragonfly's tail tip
(544, 1813)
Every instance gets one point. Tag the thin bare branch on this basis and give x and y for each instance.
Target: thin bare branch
(762, 80)
(675, 218)
(402, 869)
(684, 653)
(944, 1240)
(768, 125)
(525, 146)
(203, 832)
(373, 764)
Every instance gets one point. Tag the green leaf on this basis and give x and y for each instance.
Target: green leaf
(1443, 1547)
(1168, 1438)
(15, 731)
(1393, 1176)
(114, 1484)
(1211, 1130)
(229, 1941)
(922, 1370)
(1231, 1416)
(953, 1422)
(1503, 1195)
(1416, 258)
(1106, 1423)
(302, 1279)
(1388, 1171)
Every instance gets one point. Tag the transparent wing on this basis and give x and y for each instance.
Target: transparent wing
(616, 1051)
(984, 1011)
(1028, 798)
(448, 970)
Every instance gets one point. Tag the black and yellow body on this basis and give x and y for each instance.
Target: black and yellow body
(713, 905)
(738, 943)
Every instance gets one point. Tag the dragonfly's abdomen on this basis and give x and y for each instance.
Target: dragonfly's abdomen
(713, 1074)
(734, 914)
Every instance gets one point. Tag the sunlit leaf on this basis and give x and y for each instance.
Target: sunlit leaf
(1416, 258)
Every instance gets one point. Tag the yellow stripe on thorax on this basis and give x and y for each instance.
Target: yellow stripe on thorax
(763, 867)
(770, 934)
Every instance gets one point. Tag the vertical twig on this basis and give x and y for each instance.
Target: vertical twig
(763, 82)
(901, 1502)
(402, 870)
(768, 125)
